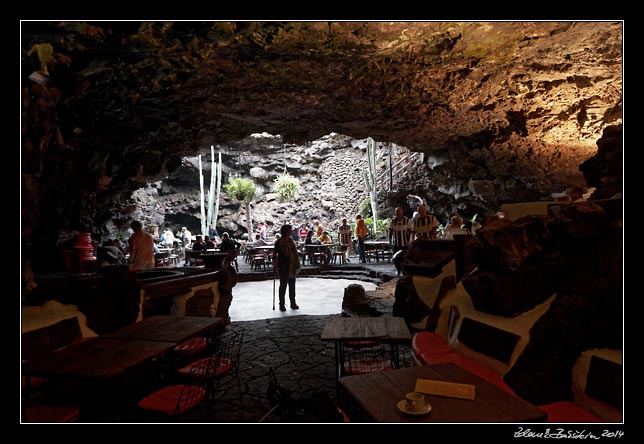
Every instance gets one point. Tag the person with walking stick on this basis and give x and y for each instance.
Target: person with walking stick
(286, 263)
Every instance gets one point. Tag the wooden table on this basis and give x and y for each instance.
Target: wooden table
(99, 358)
(168, 328)
(340, 327)
(379, 393)
(381, 247)
(100, 362)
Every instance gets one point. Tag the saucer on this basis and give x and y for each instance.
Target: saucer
(402, 406)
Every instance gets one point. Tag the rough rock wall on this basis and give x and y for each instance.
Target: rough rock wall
(515, 106)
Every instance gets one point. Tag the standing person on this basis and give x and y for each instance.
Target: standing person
(140, 247)
(263, 230)
(212, 232)
(318, 228)
(186, 237)
(344, 237)
(303, 231)
(361, 235)
(400, 231)
(168, 238)
(286, 263)
(426, 225)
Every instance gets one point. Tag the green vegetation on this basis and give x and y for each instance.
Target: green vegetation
(365, 208)
(382, 227)
(242, 189)
(44, 52)
(286, 187)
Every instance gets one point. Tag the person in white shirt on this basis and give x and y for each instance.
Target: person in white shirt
(168, 238)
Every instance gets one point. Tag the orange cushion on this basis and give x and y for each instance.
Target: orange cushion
(481, 371)
(191, 346)
(568, 411)
(51, 413)
(166, 400)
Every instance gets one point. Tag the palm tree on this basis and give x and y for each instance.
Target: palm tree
(243, 189)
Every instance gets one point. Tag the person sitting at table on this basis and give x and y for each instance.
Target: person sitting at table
(258, 242)
(199, 244)
(310, 240)
(228, 243)
(210, 245)
(109, 254)
(325, 239)
(454, 227)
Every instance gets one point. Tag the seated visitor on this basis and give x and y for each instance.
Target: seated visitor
(109, 254)
(454, 227)
(210, 245)
(258, 242)
(199, 244)
(227, 243)
(326, 239)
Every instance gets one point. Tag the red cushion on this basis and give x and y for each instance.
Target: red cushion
(218, 367)
(36, 381)
(191, 346)
(568, 411)
(166, 400)
(51, 413)
(481, 371)
(363, 366)
(439, 358)
(426, 343)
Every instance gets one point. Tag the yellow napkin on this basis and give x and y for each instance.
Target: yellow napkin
(444, 388)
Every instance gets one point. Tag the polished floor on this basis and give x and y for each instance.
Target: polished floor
(314, 296)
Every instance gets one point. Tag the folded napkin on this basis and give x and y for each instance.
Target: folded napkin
(444, 388)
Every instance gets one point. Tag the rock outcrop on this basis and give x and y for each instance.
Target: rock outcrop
(500, 111)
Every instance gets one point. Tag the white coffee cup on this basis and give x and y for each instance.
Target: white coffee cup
(415, 401)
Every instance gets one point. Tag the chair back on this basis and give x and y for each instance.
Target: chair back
(194, 392)
(365, 355)
(228, 349)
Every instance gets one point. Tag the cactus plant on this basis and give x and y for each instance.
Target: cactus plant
(370, 180)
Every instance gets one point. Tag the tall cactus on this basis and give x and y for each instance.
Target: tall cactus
(370, 180)
(201, 199)
(215, 188)
(213, 201)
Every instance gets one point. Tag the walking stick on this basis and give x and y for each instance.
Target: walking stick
(273, 290)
